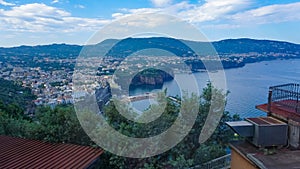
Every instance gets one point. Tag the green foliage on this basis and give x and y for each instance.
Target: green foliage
(12, 94)
(189, 151)
(180, 162)
(12, 110)
(59, 125)
(12, 126)
(131, 129)
(14, 100)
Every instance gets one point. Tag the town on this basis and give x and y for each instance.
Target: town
(53, 85)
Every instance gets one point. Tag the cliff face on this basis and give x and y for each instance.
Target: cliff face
(151, 77)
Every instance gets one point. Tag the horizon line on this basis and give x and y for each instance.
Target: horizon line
(73, 44)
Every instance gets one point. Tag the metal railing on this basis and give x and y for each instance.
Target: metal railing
(286, 95)
(218, 163)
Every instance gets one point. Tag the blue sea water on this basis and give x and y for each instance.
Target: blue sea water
(248, 86)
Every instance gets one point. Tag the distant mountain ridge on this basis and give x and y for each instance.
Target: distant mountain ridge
(121, 48)
(246, 45)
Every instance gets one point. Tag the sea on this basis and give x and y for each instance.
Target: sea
(248, 86)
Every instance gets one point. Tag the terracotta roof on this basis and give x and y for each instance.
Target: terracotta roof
(280, 112)
(23, 153)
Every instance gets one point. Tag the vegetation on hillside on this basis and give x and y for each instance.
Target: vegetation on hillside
(189, 151)
(60, 125)
(12, 94)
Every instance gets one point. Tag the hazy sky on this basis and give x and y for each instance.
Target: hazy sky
(30, 22)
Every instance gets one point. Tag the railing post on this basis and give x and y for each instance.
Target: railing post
(297, 93)
(269, 101)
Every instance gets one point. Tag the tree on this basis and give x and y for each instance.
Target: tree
(60, 125)
(189, 151)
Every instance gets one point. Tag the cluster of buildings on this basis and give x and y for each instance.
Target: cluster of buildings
(51, 79)
(51, 87)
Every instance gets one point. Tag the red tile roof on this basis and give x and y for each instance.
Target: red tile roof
(280, 112)
(23, 153)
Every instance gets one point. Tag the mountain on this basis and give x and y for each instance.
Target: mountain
(250, 50)
(130, 46)
(185, 48)
(59, 51)
(228, 46)
(233, 46)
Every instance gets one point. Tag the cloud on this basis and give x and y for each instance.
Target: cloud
(117, 15)
(169, 10)
(209, 10)
(79, 6)
(269, 14)
(145, 21)
(213, 10)
(161, 3)
(4, 3)
(140, 19)
(223, 14)
(38, 17)
(55, 1)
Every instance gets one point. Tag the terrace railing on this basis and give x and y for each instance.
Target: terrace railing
(218, 163)
(286, 96)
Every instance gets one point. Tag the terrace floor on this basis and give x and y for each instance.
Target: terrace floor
(278, 109)
(282, 158)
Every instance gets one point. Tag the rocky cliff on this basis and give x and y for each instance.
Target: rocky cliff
(151, 77)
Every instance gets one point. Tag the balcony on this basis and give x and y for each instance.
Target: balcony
(283, 102)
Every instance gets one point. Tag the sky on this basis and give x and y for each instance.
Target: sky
(30, 22)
